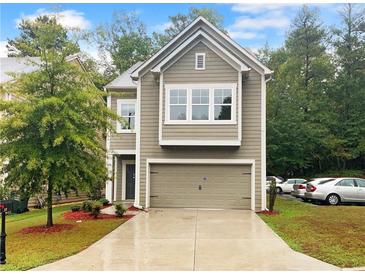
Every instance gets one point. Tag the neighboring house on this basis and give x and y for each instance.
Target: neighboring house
(195, 131)
(19, 65)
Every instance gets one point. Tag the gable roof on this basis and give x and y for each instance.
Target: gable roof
(246, 53)
(242, 66)
(124, 81)
(24, 65)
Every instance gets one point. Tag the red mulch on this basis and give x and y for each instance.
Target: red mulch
(132, 208)
(268, 213)
(44, 229)
(82, 215)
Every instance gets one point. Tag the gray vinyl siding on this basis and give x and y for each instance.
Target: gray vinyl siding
(251, 132)
(183, 71)
(125, 141)
(215, 36)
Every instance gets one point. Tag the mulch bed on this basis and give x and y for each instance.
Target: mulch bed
(132, 208)
(44, 229)
(82, 215)
(268, 213)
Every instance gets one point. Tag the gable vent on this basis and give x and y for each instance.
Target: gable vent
(200, 61)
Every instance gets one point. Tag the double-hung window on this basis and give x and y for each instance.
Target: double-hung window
(200, 103)
(222, 104)
(126, 108)
(178, 104)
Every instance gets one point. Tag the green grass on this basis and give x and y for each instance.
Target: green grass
(333, 234)
(25, 251)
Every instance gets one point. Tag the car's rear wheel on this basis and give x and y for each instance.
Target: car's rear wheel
(333, 199)
(279, 190)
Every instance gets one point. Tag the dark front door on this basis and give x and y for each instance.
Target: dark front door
(130, 180)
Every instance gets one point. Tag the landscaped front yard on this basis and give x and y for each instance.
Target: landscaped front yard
(334, 234)
(26, 251)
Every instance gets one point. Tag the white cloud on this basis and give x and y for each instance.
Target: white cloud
(257, 18)
(245, 35)
(70, 19)
(255, 8)
(3, 49)
(274, 19)
(162, 27)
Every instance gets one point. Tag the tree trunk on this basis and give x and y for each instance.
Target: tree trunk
(49, 205)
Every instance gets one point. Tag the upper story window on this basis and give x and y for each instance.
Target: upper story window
(222, 104)
(200, 61)
(200, 104)
(178, 104)
(126, 108)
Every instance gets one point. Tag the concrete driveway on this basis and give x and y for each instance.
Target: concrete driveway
(190, 239)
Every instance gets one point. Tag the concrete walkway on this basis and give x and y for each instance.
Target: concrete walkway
(190, 239)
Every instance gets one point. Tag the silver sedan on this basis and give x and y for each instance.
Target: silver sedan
(337, 191)
(300, 188)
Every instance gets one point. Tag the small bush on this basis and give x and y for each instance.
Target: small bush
(272, 195)
(104, 201)
(120, 209)
(87, 205)
(75, 208)
(96, 208)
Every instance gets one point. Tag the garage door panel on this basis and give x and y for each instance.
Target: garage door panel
(222, 186)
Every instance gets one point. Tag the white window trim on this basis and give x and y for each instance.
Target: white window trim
(211, 87)
(119, 105)
(196, 60)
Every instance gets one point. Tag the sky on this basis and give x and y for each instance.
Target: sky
(251, 25)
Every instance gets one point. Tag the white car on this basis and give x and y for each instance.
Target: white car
(277, 179)
(338, 191)
(287, 186)
(300, 188)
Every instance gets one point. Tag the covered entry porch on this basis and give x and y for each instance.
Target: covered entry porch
(121, 172)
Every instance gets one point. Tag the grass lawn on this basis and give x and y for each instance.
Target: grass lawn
(26, 251)
(334, 234)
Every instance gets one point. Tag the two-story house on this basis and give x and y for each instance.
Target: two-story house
(195, 125)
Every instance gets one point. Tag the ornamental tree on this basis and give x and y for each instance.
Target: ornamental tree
(52, 137)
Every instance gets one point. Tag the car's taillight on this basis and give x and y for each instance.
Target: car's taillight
(310, 188)
(301, 187)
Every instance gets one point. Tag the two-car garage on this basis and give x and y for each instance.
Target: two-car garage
(200, 184)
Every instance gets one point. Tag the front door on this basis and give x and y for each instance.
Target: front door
(130, 180)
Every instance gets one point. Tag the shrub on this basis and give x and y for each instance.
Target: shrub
(87, 205)
(104, 201)
(95, 208)
(272, 195)
(75, 208)
(120, 209)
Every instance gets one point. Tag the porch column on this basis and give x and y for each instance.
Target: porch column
(109, 182)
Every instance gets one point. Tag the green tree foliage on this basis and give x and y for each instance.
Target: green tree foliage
(26, 44)
(348, 95)
(52, 137)
(125, 41)
(315, 101)
(180, 21)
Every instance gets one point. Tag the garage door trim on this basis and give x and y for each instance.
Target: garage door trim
(201, 161)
